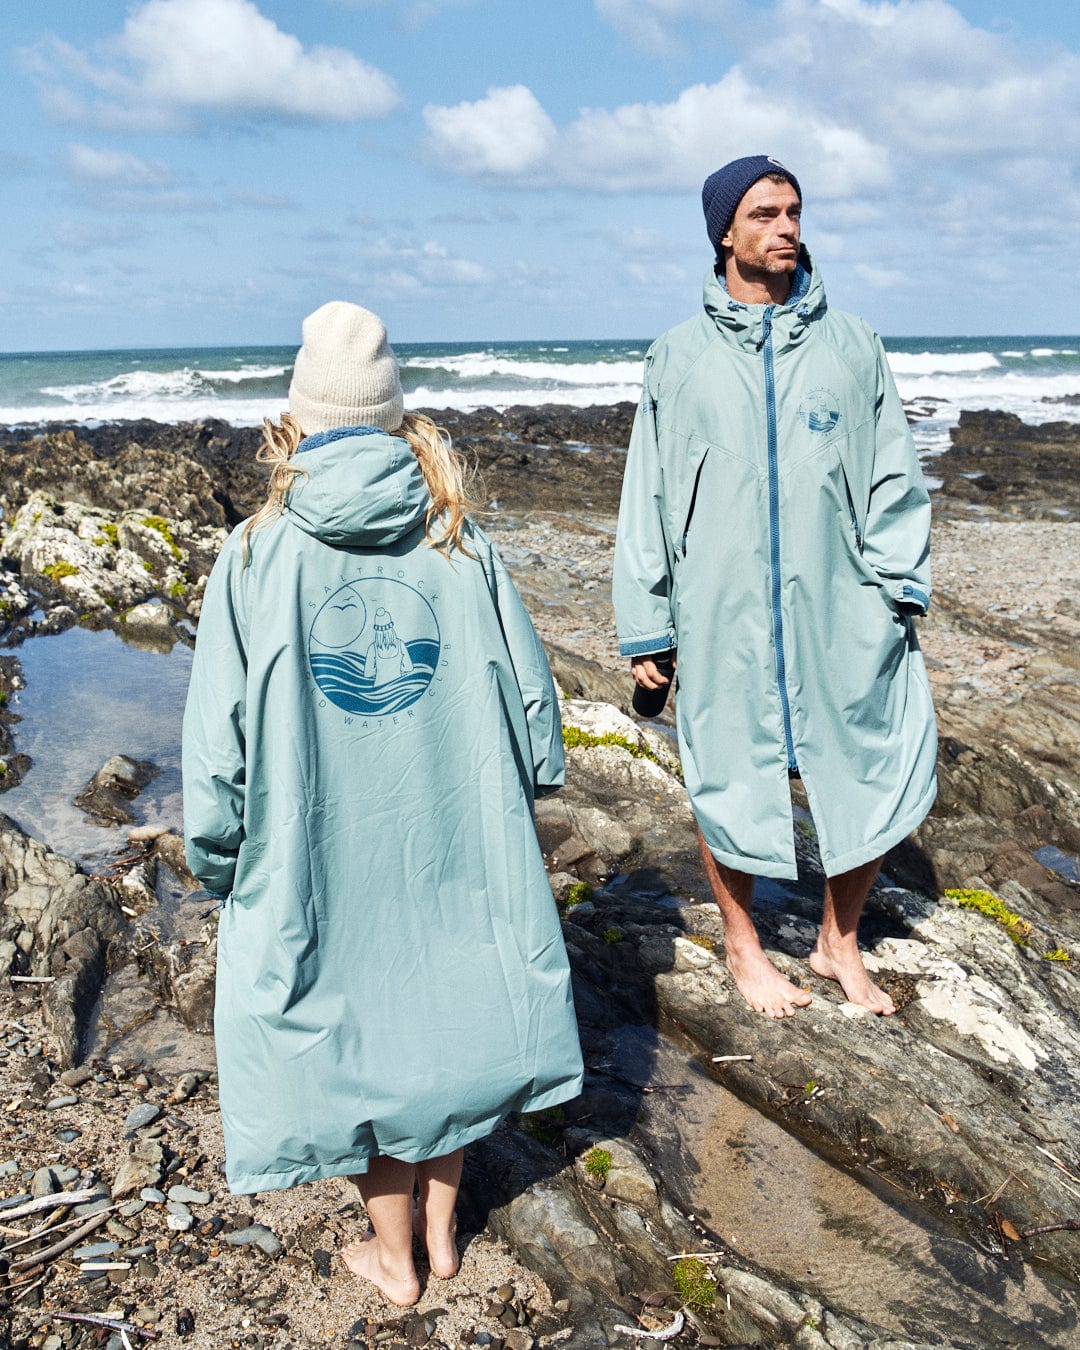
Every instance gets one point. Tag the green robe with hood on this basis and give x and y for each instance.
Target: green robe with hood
(367, 726)
(774, 527)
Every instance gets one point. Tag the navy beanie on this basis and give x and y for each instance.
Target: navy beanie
(725, 189)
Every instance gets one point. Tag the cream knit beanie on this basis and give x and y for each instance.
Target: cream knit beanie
(345, 374)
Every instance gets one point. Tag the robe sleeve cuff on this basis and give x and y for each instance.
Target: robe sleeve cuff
(911, 599)
(648, 646)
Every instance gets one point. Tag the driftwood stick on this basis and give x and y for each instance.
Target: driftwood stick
(50, 1202)
(49, 1226)
(1066, 1226)
(113, 1324)
(95, 1221)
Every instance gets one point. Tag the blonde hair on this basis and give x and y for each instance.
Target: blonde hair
(445, 472)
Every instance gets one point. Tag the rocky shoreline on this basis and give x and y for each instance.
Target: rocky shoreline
(966, 1101)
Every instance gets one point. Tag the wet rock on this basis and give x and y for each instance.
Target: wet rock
(621, 807)
(119, 780)
(72, 920)
(999, 462)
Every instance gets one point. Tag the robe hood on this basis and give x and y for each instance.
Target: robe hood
(362, 489)
(743, 324)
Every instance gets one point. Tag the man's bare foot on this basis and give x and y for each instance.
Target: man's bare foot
(762, 985)
(366, 1260)
(441, 1248)
(847, 969)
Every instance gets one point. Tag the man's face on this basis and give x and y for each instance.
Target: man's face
(764, 232)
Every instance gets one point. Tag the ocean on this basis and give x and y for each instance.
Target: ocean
(1037, 378)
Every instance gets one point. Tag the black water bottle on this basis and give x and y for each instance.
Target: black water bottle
(650, 702)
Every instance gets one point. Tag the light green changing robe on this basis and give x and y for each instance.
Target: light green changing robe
(775, 527)
(366, 729)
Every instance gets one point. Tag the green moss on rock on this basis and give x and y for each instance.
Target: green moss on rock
(578, 894)
(1017, 928)
(162, 526)
(58, 570)
(575, 738)
(693, 1283)
(597, 1163)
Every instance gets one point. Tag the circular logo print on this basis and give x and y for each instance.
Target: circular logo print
(374, 646)
(820, 410)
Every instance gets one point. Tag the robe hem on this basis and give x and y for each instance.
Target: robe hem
(756, 867)
(865, 853)
(253, 1183)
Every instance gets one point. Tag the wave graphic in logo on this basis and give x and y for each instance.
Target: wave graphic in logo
(374, 646)
(820, 410)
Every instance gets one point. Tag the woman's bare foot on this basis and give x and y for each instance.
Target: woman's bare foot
(762, 985)
(845, 966)
(367, 1261)
(441, 1248)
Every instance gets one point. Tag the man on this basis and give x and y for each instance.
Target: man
(774, 531)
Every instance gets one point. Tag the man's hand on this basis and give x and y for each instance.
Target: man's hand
(645, 673)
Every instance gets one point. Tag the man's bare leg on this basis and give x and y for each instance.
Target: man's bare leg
(435, 1221)
(836, 953)
(755, 976)
(386, 1258)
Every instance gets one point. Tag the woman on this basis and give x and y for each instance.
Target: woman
(370, 718)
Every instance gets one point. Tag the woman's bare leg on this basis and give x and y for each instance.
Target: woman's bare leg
(386, 1259)
(436, 1222)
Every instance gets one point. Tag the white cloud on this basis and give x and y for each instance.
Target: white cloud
(402, 265)
(176, 59)
(115, 168)
(652, 24)
(658, 147)
(881, 278)
(77, 236)
(504, 135)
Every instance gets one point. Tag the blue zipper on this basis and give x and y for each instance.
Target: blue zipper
(774, 533)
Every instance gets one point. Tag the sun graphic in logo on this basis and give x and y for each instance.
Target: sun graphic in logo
(820, 410)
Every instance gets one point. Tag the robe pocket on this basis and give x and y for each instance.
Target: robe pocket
(681, 473)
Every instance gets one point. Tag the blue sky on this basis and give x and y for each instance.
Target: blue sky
(208, 171)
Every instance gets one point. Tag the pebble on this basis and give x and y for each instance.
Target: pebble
(8, 1168)
(58, 1103)
(186, 1085)
(152, 1195)
(74, 1078)
(44, 1183)
(66, 1175)
(69, 1136)
(95, 1249)
(92, 1207)
(132, 1207)
(120, 1230)
(186, 1196)
(255, 1235)
(180, 1223)
(142, 1115)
